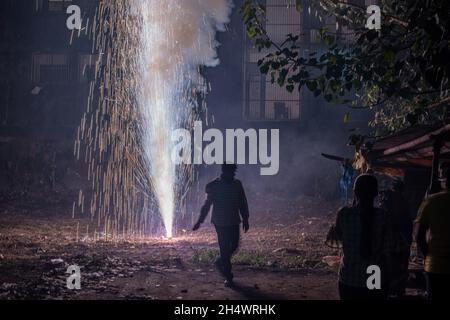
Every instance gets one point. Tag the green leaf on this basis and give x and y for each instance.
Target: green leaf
(311, 85)
(264, 68)
(282, 77)
(251, 33)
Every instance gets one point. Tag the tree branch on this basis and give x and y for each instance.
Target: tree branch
(439, 103)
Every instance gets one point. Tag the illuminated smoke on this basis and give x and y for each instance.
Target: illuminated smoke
(177, 36)
(147, 77)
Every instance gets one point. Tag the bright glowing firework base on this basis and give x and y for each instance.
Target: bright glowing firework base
(172, 37)
(148, 79)
(160, 93)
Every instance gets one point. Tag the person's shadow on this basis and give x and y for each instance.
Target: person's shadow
(254, 293)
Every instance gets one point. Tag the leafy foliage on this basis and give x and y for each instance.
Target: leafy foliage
(401, 71)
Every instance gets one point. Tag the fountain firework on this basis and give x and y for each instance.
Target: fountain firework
(148, 79)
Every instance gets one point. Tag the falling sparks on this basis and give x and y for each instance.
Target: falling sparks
(147, 83)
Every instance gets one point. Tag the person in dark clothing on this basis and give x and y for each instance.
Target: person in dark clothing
(401, 228)
(226, 195)
(361, 229)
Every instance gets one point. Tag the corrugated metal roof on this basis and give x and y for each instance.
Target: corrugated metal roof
(412, 147)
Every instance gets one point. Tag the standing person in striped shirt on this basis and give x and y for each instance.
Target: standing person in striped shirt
(227, 196)
(362, 230)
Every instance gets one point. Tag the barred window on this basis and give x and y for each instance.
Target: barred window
(58, 5)
(266, 101)
(50, 68)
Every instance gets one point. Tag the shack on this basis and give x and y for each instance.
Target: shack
(413, 155)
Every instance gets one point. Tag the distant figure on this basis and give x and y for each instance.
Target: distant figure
(401, 228)
(346, 180)
(226, 195)
(434, 218)
(361, 229)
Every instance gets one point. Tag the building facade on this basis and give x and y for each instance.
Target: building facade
(266, 101)
(45, 70)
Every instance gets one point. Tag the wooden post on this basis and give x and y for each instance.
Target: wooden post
(435, 186)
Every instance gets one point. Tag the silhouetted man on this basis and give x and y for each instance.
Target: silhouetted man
(226, 195)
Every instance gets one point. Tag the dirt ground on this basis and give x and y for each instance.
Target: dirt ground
(276, 260)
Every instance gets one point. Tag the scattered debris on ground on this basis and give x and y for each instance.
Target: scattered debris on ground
(283, 257)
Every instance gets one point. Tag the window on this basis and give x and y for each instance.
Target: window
(281, 104)
(50, 68)
(314, 36)
(58, 5)
(254, 96)
(266, 101)
(281, 111)
(51, 5)
(281, 20)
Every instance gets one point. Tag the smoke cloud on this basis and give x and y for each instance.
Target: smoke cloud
(176, 38)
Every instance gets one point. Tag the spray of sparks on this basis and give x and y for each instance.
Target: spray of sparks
(147, 83)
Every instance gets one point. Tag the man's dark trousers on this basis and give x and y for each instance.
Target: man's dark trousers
(228, 237)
